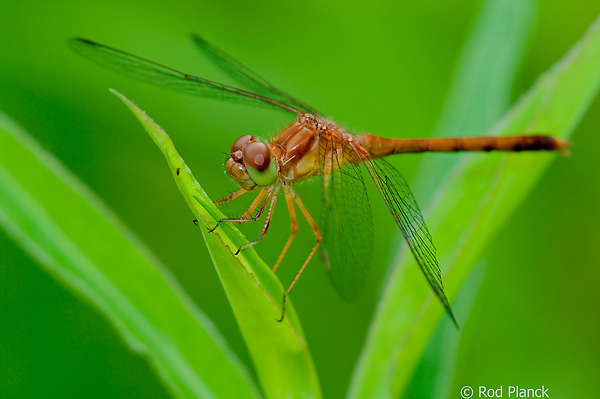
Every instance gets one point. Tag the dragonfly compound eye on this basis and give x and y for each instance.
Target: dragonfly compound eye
(258, 162)
(240, 143)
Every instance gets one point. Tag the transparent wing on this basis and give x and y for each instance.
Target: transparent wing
(346, 220)
(143, 69)
(248, 78)
(402, 205)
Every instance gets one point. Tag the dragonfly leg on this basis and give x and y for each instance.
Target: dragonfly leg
(290, 204)
(246, 216)
(273, 198)
(231, 196)
(318, 237)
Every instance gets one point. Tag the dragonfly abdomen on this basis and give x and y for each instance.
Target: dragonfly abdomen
(379, 146)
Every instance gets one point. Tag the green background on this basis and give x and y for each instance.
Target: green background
(383, 68)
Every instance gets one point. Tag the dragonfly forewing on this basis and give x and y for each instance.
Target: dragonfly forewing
(152, 72)
(248, 78)
(402, 205)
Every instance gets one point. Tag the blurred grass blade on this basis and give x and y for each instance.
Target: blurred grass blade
(481, 86)
(434, 375)
(479, 95)
(279, 350)
(82, 244)
(480, 194)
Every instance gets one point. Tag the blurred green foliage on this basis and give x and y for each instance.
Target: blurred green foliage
(382, 68)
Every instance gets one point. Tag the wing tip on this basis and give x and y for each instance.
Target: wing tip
(82, 40)
(451, 314)
(446, 304)
(198, 39)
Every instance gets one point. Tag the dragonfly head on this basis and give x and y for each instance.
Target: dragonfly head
(251, 163)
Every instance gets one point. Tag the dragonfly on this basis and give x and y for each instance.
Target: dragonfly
(311, 146)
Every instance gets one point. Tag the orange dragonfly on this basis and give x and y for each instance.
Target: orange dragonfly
(313, 145)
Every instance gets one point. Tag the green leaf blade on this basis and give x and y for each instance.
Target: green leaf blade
(279, 350)
(83, 245)
(478, 195)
